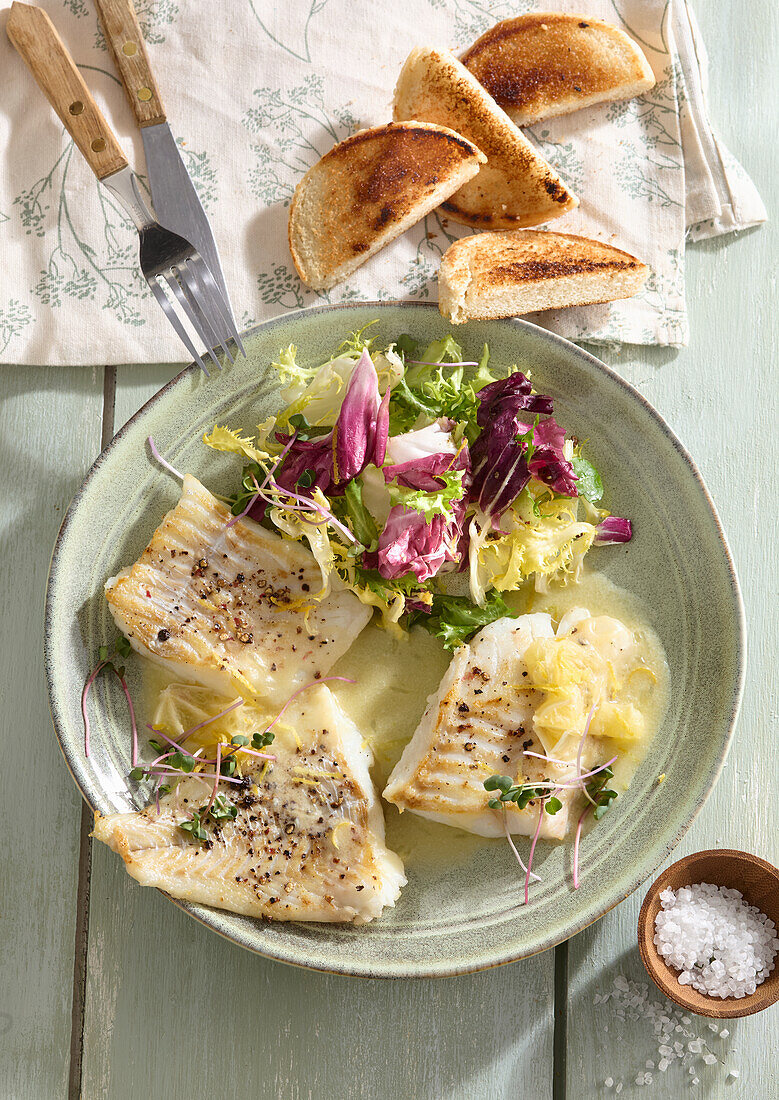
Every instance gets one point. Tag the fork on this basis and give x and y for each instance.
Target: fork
(166, 258)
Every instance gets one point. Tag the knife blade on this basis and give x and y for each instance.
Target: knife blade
(175, 200)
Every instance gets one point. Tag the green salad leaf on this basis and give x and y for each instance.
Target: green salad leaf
(430, 390)
(431, 502)
(588, 481)
(361, 521)
(454, 619)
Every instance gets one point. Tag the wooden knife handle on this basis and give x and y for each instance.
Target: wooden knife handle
(123, 34)
(43, 52)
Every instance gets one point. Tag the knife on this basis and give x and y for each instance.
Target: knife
(173, 194)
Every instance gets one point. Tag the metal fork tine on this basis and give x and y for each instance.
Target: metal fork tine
(189, 284)
(199, 314)
(181, 298)
(217, 314)
(166, 255)
(207, 280)
(170, 313)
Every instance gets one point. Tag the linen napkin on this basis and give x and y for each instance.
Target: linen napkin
(257, 96)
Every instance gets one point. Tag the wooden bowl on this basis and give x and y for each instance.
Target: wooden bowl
(757, 880)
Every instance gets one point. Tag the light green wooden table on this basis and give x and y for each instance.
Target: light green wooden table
(109, 989)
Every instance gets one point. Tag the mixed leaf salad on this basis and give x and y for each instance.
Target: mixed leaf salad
(416, 476)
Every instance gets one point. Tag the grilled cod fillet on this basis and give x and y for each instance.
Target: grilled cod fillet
(478, 723)
(221, 605)
(308, 841)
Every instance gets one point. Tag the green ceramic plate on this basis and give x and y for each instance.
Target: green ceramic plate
(453, 917)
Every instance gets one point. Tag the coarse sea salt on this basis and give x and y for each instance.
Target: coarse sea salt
(720, 945)
(633, 1001)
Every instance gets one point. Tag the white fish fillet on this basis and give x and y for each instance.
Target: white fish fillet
(222, 605)
(308, 841)
(478, 723)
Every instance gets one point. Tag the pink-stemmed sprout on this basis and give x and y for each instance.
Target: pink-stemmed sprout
(173, 774)
(424, 363)
(514, 847)
(308, 504)
(253, 752)
(84, 695)
(161, 460)
(549, 759)
(268, 477)
(131, 708)
(188, 733)
(581, 742)
(218, 763)
(575, 784)
(533, 848)
(577, 838)
(165, 737)
(313, 683)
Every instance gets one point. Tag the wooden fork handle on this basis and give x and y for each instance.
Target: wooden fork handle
(124, 37)
(43, 52)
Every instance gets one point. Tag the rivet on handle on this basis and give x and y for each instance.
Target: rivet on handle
(98, 145)
(144, 94)
(76, 107)
(129, 48)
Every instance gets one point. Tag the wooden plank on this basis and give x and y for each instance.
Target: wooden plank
(162, 991)
(50, 433)
(719, 397)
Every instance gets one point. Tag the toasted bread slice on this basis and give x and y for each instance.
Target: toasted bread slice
(508, 274)
(516, 187)
(368, 190)
(551, 63)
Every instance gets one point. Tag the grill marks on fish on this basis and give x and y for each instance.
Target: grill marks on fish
(223, 605)
(308, 841)
(479, 723)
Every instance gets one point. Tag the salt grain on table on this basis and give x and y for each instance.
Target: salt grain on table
(666, 1021)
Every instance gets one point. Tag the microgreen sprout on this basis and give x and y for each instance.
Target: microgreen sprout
(261, 740)
(220, 809)
(520, 794)
(178, 761)
(108, 660)
(223, 809)
(194, 825)
(599, 794)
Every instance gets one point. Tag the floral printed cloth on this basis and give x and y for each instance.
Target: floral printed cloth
(258, 94)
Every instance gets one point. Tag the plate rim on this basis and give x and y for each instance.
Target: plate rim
(210, 917)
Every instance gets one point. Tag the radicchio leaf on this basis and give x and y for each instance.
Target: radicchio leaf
(548, 463)
(308, 455)
(358, 438)
(507, 397)
(612, 530)
(409, 543)
(421, 473)
(501, 464)
(500, 470)
(355, 431)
